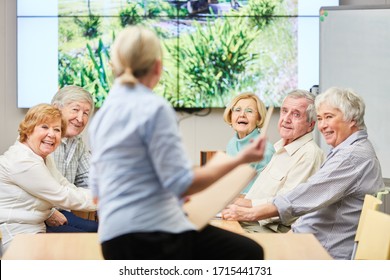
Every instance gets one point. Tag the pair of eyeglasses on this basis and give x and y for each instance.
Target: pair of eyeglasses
(248, 111)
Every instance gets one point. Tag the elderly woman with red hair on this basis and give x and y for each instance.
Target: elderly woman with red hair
(30, 184)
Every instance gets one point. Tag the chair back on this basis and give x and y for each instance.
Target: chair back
(370, 203)
(205, 156)
(374, 239)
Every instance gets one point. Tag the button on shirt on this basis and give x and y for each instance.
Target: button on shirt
(139, 169)
(330, 202)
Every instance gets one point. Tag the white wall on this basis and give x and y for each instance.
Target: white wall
(199, 133)
(10, 115)
(345, 63)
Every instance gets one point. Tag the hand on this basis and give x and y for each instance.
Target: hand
(254, 151)
(56, 219)
(240, 201)
(236, 213)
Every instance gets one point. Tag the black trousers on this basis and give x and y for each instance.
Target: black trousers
(211, 243)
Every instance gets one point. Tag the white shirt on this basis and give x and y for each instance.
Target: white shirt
(29, 188)
(290, 165)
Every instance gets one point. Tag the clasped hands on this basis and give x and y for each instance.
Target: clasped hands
(56, 219)
(239, 210)
(235, 212)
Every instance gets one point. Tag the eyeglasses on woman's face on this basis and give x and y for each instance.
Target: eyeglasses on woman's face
(247, 111)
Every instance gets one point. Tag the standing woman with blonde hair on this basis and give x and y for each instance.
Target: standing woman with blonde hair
(139, 170)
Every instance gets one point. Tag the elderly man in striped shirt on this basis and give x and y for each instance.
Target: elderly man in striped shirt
(72, 156)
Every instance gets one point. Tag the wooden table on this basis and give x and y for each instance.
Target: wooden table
(54, 246)
(281, 246)
(290, 246)
(85, 246)
(233, 226)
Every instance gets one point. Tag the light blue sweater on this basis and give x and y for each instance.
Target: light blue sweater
(236, 144)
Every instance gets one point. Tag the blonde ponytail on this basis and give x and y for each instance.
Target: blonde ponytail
(127, 77)
(133, 53)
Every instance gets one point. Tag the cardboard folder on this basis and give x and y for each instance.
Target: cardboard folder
(204, 205)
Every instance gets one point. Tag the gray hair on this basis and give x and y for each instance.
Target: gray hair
(347, 101)
(69, 94)
(311, 115)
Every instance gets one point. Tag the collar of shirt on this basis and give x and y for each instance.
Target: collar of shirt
(356, 136)
(67, 141)
(293, 146)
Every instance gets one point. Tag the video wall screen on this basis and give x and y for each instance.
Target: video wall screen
(213, 49)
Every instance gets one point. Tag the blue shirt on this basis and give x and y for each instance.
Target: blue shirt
(138, 167)
(330, 202)
(236, 144)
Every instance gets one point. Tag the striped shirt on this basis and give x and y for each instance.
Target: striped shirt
(72, 160)
(330, 202)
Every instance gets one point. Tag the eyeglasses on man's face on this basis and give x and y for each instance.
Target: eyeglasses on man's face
(247, 111)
